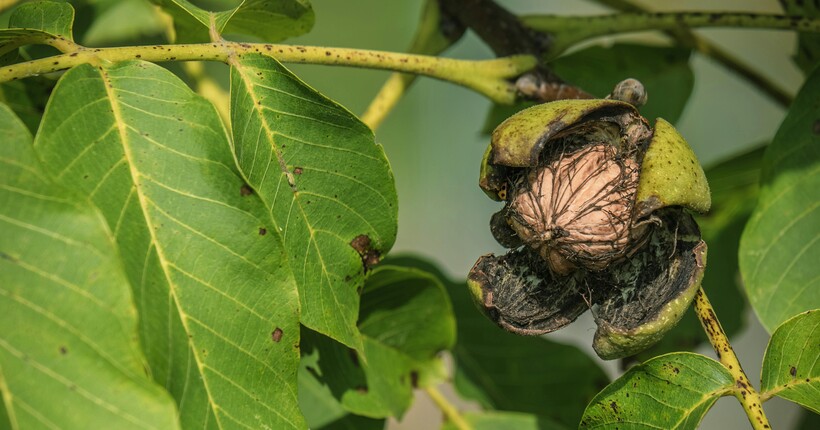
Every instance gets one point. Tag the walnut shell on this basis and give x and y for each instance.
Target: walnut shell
(577, 210)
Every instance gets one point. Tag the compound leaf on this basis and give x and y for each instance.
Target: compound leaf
(33, 23)
(791, 366)
(406, 321)
(69, 349)
(327, 185)
(673, 391)
(218, 305)
(781, 242)
(55, 18)
(269, 20)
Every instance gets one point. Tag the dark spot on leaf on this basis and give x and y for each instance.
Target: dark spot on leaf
(263, 231)
(297, 170)
(414, 379)
(276, 335)
(354, 357)
(362, 245)
(676, 370)
(63, 350)
(361, 389)
(245, 190)
(614, 407)
(7, 257)
(793, 371)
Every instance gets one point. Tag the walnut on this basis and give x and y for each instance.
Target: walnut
(595, 215)
(577, 210)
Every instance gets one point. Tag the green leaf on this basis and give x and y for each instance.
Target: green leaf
(734, 187)
(355, 422)
(672, 391)
(5, 421)
(808, 421)
(808, 44)
(515, 373)
(791, 366)
(319, 405)
(406, 321)
(218, 305)
(123, 21)
(664, 71)
(69, 349)
(269, 20)
(55, 18)
(27, 98)
(35, 23)
(505, 421)
(327, 185)
(781, 242)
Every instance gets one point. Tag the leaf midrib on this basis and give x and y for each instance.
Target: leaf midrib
(143, 202)
(257, 107)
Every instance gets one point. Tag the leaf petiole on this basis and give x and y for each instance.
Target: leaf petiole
(487, 77)
(744, 390)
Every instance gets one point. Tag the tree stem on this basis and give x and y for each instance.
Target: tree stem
(450, 412)
(687, 38)
(570, 30)
(488, 77)
(744, 390)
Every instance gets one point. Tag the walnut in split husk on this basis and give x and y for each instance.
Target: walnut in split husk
(595, 212)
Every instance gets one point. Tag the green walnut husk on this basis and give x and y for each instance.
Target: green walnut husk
(596, 217)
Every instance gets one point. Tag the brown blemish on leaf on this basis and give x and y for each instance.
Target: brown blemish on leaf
(362, 389)
(354, 357)
(63, 350)
(263, 231)
(297, 170)
(362, 245)
(245, 190)
(614, 407)
(276, 335)
(414, 379)
(793, 371)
